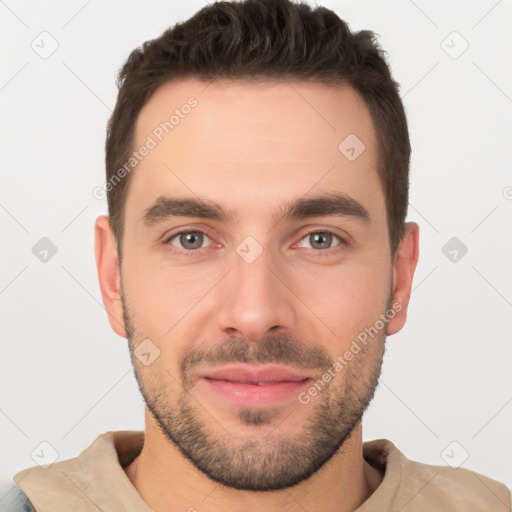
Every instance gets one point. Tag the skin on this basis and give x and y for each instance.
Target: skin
(251, 148)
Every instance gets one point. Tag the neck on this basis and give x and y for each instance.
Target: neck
(167, 481)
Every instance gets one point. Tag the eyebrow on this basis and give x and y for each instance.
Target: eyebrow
(332, 204)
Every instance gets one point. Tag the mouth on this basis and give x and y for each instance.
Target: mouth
(254, 386)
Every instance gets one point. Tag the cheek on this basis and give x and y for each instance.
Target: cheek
(162, 306)
(347, 299)
(164, 297)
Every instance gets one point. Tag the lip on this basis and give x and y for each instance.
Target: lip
(253, 386)
(251, 374)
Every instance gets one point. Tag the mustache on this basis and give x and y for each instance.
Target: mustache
(281, 349)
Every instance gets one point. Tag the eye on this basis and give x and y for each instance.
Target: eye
(322, 240)
(190, 241)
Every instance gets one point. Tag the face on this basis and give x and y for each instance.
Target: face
(257, 285)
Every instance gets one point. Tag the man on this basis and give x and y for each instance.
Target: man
(256, 256)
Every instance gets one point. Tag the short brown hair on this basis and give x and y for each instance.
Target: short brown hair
(265, 39)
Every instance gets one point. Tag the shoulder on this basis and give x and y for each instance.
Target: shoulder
(15, 500)
(97, 473)
(458, 488)
(420, 486)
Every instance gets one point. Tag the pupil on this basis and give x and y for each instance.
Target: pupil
(189, 238)
(318, 238)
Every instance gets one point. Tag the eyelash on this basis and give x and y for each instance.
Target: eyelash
(321, 253)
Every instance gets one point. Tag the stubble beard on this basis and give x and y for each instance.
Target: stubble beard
(261, 462)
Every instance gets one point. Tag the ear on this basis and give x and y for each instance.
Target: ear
(404, 265)
(109, 273)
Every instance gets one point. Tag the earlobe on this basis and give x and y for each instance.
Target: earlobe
(404, 265)
(109, 274)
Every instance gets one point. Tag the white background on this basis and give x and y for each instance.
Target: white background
(66, 377)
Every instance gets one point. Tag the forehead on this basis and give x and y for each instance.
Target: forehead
(281, 111)
(282, 138)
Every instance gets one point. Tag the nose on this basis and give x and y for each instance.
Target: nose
(255, 299)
